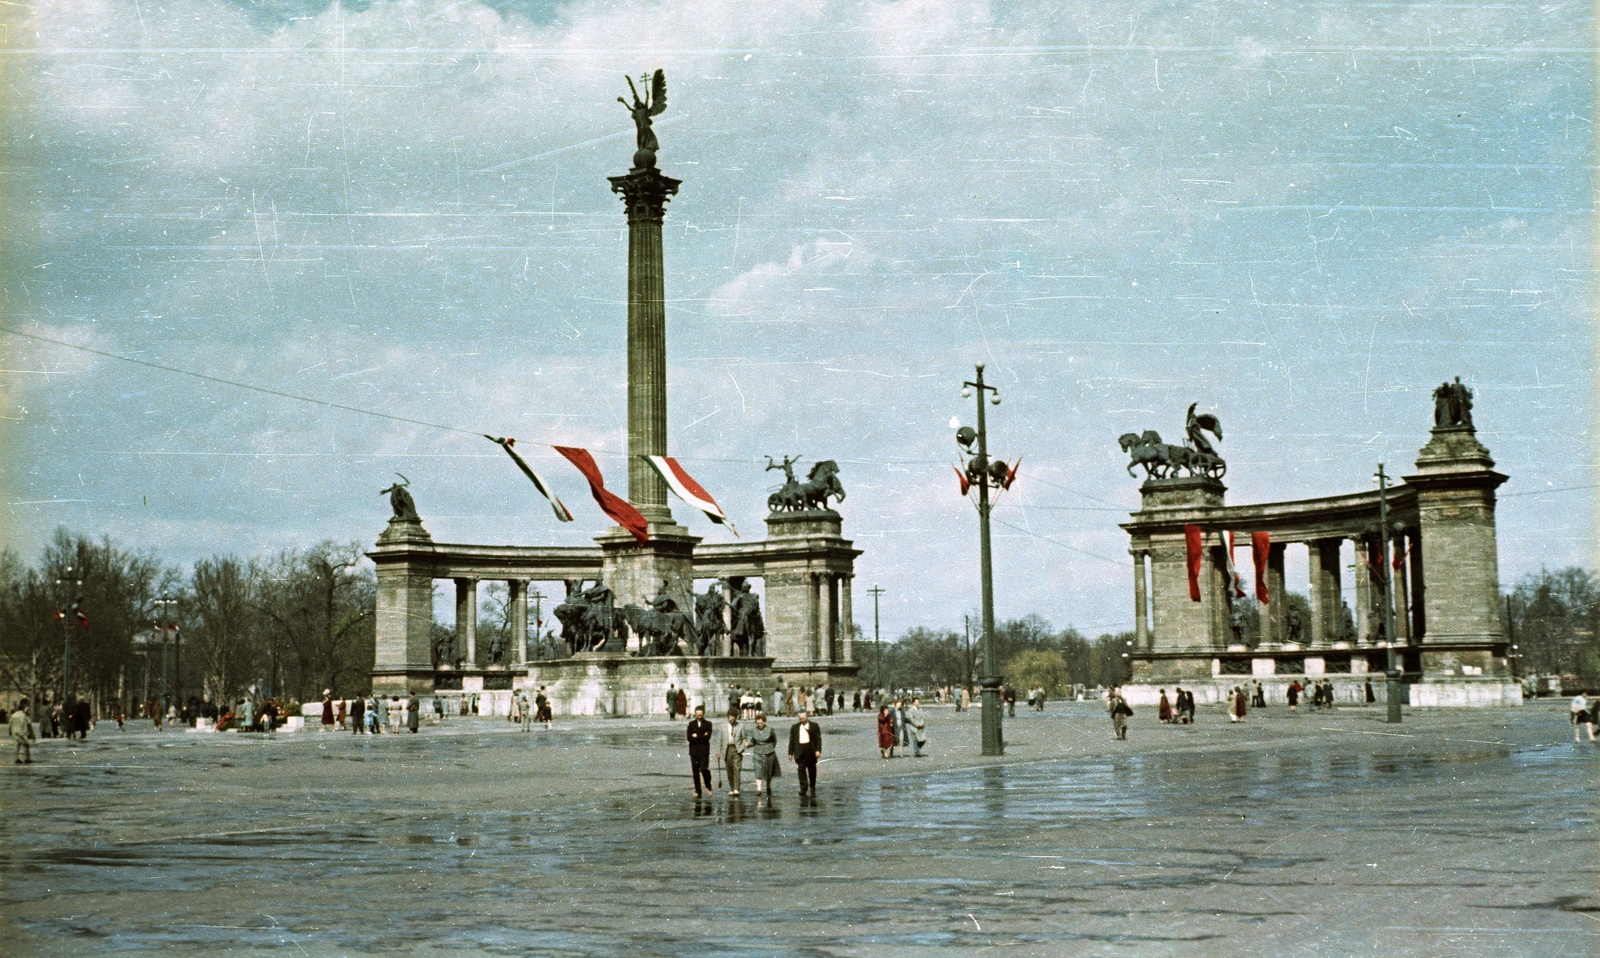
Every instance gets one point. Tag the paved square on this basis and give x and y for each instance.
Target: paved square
(1460, 833)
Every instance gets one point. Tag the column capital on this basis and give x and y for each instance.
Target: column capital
(644, 193)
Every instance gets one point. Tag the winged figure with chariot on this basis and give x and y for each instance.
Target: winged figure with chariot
(1162, 460)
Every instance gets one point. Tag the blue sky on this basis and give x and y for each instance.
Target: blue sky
(1302, 216)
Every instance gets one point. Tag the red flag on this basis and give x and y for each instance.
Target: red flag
(965, 485)
(1399, 557)
(1193, 537)
(1011, 474)
(619, 509)
(1260, 554)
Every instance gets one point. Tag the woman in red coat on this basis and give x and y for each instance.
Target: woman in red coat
(885, 732)
(1164, 710)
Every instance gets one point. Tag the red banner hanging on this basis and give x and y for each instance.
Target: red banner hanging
(619, 509)
(1261, 554)
(1193, 538)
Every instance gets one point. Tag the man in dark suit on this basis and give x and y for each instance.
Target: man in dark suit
(699, 733)
(805, 747)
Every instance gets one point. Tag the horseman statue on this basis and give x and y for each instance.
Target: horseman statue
(821, 483)
(664, 628)
(590, 620)
(1162, 460)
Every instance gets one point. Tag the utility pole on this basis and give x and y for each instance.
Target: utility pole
(538, 620)
(877, 640)
(67, 614)
(165, 603)
(981, 471)
(1392, 674)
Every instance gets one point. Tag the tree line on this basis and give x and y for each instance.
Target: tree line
(288, 624)
(1031, 652)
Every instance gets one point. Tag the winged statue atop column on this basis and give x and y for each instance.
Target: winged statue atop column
(653, 104)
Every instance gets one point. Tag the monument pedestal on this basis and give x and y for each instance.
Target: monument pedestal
(622, 686)
(403, 654)
(809, 608)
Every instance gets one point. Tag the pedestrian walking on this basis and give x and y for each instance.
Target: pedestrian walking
(1164, 709)
(763, 750)
(805, 748)
(1236, 714)
(885, 732)
(327, 710)
(413, 713)
(524, 711)
(699, 735)
(1119, 710)
(375, 718)
(729, 745)
(358, 715)
(966, 698)
(1259, 700)
(541, 703)
(1582, 716)
(672, 700)
(919, 727)
(342, 713)
(20, 724)
(1293, 695)
(1011, 701)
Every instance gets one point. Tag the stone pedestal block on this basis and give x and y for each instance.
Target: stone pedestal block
(624, 686)
(403, 654)
(1456, 483)
(636, 573)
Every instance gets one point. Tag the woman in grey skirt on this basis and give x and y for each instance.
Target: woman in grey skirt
(764, 749)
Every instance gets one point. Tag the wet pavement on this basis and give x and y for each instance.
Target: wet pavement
(1460, 833)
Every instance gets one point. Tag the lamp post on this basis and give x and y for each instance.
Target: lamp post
(163, 615)
(1392, 673)
(981, 471)
(67, 613)
(877, 642)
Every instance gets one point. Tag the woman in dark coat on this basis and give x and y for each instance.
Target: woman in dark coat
(885, 732)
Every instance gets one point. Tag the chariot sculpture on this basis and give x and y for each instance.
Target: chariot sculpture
(821, 484)
(1162, 460)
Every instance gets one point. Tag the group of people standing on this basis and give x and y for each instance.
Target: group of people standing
(901, 725)
(526, 712)
(1179, 710)
(732, 740)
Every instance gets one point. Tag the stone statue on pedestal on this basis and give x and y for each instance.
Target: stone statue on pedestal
(590, 621)
(821, 483)
(749, 634)
(653, 104)
(1452, 405)
(708, 614)
(405, 508)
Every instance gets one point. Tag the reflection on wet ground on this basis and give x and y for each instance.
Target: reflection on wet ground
(1313, 848)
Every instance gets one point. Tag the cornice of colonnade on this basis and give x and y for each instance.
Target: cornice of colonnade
(445, 560)
(1300, 520)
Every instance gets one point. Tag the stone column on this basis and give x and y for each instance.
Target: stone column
(1275, 614)
(519, 618)
(645, 193)
(1402, 595)
(847, 618)
(1364, 592)
(1419, 588)
(467, 620)
(1141, 621)
(1325, 591)
(830, 618)
(1214, 586)
(403, 630)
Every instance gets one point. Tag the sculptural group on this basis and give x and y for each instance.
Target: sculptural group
(592, 622)
(820, 484)
(1452, 405)
(1164, 461)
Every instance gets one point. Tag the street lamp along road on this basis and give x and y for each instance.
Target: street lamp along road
(982, 472)
(171, 676)
(877, 641)
(69, 614)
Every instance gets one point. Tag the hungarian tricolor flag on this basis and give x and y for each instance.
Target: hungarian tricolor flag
(965, 485)
(1233, 570)
(1193, 541)
(619, 509)
(684, 487)
(527, 470)
(1260, 555)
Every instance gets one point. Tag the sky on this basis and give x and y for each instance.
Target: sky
(1301, 216)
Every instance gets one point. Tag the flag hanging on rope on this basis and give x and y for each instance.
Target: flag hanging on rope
(1260, 555)
(619, 509)
(1193, 536)
(966, 486)
(506, 443)
(684, 487)
(1235, 581)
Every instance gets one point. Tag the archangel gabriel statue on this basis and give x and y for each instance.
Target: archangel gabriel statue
(653, 104)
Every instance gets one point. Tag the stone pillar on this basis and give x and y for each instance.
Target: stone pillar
(847, 654)
(1325, 591)
(1214, 586)
(1275, 614)
(645, 193)
(1141, 622)
(830, 618)
(1419, 589)
(1365, 607)
(1402, 594)
(814, 627)
(1456, 483)
(467, 620)
(403, 629)
(519, 618)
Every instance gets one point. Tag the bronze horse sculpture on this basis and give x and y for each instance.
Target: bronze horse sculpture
(821, 483)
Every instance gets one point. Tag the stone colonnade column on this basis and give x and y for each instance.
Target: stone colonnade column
(1402, 593)
(847, 654)
(645, 193)
(1365, 589)
(1141, 611)
(829, 637)
(1419, 588)
(519, 618)
(467, 620)
(1275, 614)
(1325, 597)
